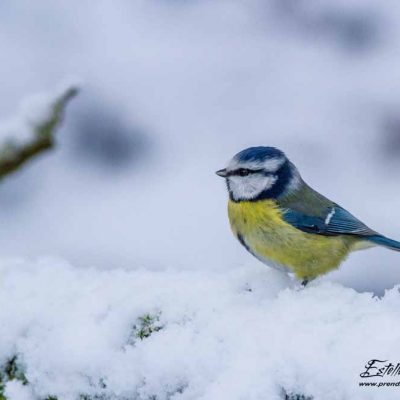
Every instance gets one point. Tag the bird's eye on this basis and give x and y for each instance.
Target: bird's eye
(243, 172)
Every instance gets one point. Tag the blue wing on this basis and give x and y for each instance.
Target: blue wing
(334, 221)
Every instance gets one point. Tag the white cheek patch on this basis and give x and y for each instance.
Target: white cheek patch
(249, 187)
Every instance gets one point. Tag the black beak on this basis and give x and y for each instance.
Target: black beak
(222, 172)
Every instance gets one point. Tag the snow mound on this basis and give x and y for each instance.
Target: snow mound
(140, 334)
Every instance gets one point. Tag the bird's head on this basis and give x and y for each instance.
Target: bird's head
(259, 173)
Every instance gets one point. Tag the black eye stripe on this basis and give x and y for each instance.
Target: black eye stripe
(244, 172)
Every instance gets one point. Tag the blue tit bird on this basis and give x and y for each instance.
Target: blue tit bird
(286, 224)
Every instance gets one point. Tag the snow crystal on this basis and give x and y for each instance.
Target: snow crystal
(246, 334)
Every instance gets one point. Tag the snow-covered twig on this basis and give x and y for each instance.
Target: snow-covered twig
(27, 136)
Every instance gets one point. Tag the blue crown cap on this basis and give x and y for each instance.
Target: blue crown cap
(259, 153)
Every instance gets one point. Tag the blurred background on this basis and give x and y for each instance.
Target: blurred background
(171, 90)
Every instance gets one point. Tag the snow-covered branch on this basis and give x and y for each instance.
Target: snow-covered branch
(33, 131)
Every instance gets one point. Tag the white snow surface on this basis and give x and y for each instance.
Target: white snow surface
(246, 333)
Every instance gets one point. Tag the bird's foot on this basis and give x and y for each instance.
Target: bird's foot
(304, 282)
(300, 285)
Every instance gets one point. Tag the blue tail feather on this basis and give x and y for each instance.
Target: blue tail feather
(386, 242)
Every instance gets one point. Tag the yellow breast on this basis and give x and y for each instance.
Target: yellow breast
(265, 233)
